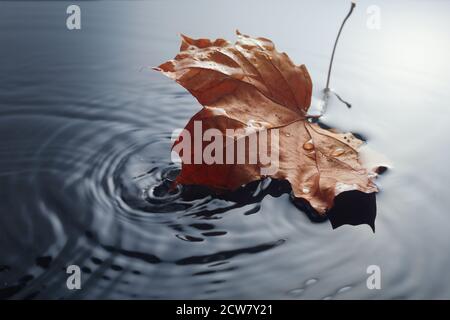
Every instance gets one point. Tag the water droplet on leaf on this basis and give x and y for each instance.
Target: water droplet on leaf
(308, 145)
(337, 152)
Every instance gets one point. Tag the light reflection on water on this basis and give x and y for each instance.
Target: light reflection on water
(86, 135)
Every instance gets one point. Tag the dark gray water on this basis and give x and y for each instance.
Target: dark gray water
(85, 138)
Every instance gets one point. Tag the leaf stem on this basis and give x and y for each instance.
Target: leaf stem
(353, 4)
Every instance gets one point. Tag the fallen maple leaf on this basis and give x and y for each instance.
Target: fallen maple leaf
(251, 86)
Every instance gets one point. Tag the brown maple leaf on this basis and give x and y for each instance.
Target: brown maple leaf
(251, 93)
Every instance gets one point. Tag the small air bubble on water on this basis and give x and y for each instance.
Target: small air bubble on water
(310, 282)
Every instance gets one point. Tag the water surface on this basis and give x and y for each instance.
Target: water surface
(84, 152)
